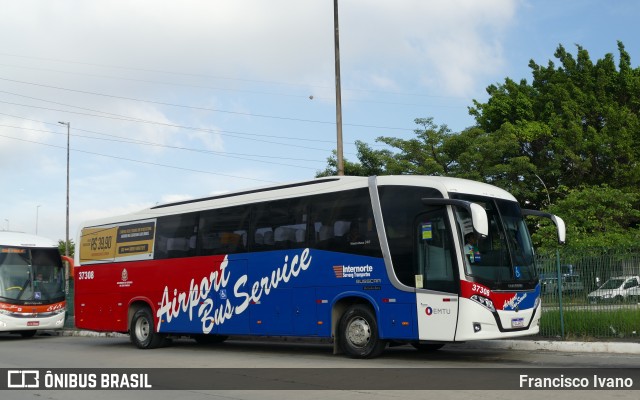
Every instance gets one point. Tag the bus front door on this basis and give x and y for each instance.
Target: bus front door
(437, 286)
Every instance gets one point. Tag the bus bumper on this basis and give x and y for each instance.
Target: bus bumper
(480, 324)
(25, 323)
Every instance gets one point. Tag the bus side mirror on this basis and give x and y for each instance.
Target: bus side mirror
(479, 219)
(478, 213)
(561, 228)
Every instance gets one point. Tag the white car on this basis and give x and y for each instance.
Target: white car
(616, 289)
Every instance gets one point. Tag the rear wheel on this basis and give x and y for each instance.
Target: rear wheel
(142, 330)
(359, 333)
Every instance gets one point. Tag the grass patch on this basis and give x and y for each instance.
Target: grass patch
(585, 324)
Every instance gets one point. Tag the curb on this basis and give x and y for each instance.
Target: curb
(549, 345)
(505, 344)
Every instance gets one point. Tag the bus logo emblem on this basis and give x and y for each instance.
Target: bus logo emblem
(124, 276)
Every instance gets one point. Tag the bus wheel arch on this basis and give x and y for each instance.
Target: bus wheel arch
(142, 327)
(355, 328)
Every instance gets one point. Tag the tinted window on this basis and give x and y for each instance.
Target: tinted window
(400, 206)
(435, 253)
(280, 224)
(176, 236)
(224, 231)
(343, 221)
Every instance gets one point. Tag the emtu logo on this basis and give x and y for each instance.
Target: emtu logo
(428, 310)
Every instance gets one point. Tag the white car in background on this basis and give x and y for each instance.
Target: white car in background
(616, 289)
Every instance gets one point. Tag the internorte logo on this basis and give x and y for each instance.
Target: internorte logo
(349, 271)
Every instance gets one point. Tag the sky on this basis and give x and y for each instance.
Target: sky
(172, 100)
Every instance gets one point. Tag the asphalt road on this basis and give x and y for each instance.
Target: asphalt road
(298, 360)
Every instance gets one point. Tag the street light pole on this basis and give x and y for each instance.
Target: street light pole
(338, 89)
(545, 188)
(66, 246)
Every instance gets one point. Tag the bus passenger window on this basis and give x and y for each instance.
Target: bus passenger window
(344, 222)
(280, 225)
(224, 231)
(176, 236)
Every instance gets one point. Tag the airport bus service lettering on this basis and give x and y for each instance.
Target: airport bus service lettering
(209, 314)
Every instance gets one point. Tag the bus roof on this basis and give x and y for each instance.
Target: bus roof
(20, 239)
(445, 185)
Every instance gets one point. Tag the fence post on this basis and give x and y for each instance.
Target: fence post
(559, 286)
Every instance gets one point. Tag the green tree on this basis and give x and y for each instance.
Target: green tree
(62, 245)
(370, 162)
(596, 217)
(568, 142)
(577, 123)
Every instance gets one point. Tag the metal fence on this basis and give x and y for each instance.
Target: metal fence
(598, 295)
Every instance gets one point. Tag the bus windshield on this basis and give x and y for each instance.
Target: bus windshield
(31, 275)
(505, 258)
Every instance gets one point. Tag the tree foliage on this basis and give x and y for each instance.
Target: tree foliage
(569, 141)
(62, 245)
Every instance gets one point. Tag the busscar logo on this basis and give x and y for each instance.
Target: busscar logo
(349, 271)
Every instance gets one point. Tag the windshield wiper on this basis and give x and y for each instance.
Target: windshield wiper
(24, 287)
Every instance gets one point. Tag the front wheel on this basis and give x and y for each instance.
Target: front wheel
(142, 330)
(359, 333)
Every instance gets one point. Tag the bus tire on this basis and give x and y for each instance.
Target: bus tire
(358, 330)
(142, 331)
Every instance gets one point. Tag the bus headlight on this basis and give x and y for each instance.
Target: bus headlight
(483, 301)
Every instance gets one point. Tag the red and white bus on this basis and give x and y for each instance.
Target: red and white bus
(364, 261)
(32, 284)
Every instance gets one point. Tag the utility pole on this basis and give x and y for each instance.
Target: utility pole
(338, 90)
(66, 246)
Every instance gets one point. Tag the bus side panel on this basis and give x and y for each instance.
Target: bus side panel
(398, 321)
(92, 299)
(307, 319)
(273, 316)
(285, 292)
